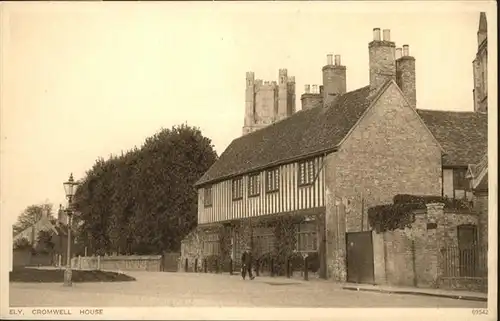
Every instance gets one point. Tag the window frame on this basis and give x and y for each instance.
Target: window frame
(306, 172)
(237, 189)
(272, 180)
(460, 181)
(208, 196)
(309, 235)
(254, 179)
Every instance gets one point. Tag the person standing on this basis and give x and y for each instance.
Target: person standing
(246, 261)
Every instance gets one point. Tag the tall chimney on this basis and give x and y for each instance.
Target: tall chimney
(405, 76)
(399, 53)
(334, 79)
(382, 59)
(312, 99)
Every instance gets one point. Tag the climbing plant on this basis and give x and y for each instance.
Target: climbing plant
(400, 214)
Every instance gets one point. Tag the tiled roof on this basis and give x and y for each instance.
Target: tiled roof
(478, 173)
(304, 133)
(463, 135)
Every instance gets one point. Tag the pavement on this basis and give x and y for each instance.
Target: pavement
(452, 294)
(221, 290)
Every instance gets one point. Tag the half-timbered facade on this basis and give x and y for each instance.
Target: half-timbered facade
(312, 167)
(284, 188)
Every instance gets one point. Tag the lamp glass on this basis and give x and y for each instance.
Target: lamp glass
(69, 187)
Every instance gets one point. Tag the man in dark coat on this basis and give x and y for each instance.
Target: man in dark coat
(246, 262)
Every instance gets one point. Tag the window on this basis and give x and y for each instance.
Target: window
(211, 246)
(207, 199)
(306, 172)
(237, 188)
(264, 241)
(272, 180)
(460, 181)
(307, 240)
(254, 185)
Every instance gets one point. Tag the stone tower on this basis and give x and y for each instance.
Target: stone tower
(480, 67)
(267, 102)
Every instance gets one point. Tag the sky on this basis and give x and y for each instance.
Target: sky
(86, 80)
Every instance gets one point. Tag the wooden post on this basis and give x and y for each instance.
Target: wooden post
(195, 265)
(287, 266)
(272, 266)
(186, 265)
(230, 266)
(98, 262)
(306, 267)
(205, 268)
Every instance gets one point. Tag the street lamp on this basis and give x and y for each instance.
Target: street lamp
(69, 189)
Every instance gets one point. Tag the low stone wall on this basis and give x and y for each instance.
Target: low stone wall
(27, 258)
(123, 263)
(21, 258)
(413, 256)
(192, 252)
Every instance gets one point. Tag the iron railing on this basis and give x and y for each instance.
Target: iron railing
(464, 262)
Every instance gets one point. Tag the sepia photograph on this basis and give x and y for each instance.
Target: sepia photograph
(182, 160)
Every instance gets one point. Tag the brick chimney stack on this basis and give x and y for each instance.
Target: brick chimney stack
(312, 99)
(382, 59)
(405, 75)
(334, 79)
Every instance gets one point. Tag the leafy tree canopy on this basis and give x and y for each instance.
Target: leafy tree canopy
(31, 215)
(22, 244)
(144, 200)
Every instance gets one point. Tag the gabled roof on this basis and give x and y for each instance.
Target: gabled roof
(478, 173)
(462, 136)
(305, 133)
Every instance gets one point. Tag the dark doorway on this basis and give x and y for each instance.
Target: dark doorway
(359, 247)
(467, 247)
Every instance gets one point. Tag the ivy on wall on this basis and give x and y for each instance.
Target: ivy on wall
(400, 214)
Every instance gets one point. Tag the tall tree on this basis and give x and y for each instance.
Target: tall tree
(144, 201)
(31, 215)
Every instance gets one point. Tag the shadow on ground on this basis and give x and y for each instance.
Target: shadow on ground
(29, 275)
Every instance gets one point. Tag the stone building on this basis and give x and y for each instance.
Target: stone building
(320, 169)
(58, 228)
(267, 102)
(480, 67)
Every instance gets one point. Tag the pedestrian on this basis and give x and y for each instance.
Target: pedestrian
(246, 261)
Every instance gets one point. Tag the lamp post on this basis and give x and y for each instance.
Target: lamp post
(69, 189)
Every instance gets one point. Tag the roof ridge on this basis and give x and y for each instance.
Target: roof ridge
(450, 111)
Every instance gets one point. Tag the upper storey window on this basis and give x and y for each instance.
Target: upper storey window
(254, 185)
(207, 197)
(306, 172)
(272, 180)
(237, 188)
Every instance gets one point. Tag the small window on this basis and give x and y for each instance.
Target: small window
(459, 179)
(272, 180)
(254, 185)
(307, 240)
(237, 189)
(306, 172)
(207, 199)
